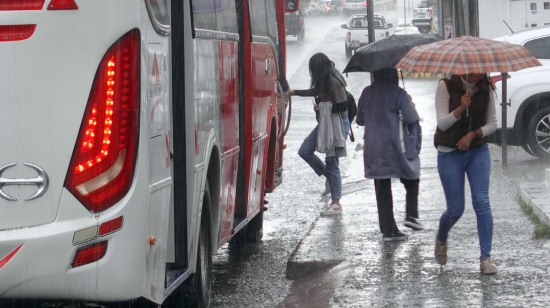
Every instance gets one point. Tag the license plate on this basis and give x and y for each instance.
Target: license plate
(421, 15)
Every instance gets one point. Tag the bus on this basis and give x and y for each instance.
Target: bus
(139, 136)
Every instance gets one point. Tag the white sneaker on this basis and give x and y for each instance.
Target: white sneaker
(332, 209)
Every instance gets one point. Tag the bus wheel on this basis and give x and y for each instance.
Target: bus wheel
(204, 255)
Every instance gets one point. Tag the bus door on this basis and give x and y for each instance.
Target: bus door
(156, 82)
(261, 95)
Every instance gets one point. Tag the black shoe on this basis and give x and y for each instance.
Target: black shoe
(397, 236)
(265, 208)
(413, 223)
(266, 202)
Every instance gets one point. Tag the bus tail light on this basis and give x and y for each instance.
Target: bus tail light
(90, 254)
(111, 226)
(102, 166)
(21, 5)
(62, 5)
(16, 32)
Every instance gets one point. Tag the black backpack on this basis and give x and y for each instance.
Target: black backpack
(351, 106)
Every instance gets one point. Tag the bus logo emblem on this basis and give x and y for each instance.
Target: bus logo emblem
(41, 181)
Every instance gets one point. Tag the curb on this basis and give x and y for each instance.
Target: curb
(537, 196)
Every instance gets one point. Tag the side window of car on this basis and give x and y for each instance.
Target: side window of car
(540, 48)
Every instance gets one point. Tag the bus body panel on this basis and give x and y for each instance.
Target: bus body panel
(264, 95)
(156, 83)
(228, 79)
(42, 267)
(45, 95)
(44, 87)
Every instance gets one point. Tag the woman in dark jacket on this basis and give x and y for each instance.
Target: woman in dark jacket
(329, 89)
(384, 157)
(466, 115)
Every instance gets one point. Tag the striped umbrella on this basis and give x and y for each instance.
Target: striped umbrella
(467, 54)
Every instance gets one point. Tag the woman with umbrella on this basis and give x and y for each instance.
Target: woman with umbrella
(380, 108)
(329, 137)
(465, 117)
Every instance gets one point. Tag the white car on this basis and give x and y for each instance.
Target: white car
(357, 31)
(528, 117)
(355, 7)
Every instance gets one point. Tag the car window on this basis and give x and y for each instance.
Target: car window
(540, 48)
(363, 22)
(359, 23)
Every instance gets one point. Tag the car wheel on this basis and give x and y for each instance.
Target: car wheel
(424, 30)
(539, 134)
(348, 50)
(339, 9)
(527, 149)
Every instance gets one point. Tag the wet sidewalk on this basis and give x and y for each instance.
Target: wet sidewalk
(397, 274)
(537, 196)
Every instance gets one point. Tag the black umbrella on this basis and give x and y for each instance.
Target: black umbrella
(387, 52)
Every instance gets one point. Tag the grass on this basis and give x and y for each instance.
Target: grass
(541, 231)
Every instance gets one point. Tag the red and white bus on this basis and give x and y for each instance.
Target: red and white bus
(139, 136)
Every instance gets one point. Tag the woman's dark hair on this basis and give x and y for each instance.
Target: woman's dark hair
(485, 83)
(319, 70)
(389, 75)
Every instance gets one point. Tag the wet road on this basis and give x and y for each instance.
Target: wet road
(367, 272)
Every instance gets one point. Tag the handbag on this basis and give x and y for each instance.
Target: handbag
(410, 136)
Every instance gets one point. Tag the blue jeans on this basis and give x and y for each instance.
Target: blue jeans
(476, 164)
(331, 167)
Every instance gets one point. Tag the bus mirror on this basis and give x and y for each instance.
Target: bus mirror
(291, 5)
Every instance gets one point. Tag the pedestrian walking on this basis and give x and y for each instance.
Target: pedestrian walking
(386, 110)
(329, 89)
(466, 115)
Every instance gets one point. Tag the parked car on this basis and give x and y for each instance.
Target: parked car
(295, 24)
(326, 7)
(355, 7)
(319, 7)
(336, 6)
(357, 31)
(422, 17)
(528, 117)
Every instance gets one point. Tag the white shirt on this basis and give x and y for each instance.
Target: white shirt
(446, 117)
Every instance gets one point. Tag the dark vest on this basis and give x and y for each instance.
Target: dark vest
(476, 119)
